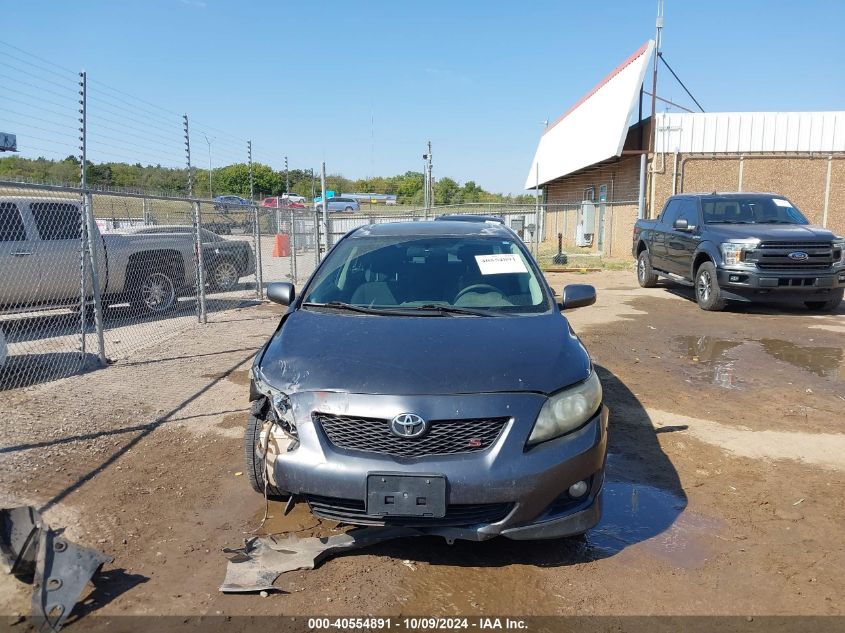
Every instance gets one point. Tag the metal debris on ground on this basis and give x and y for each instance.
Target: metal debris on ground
(57, 569)
(262, 559)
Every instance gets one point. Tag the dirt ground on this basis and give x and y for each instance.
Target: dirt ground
(724, 492)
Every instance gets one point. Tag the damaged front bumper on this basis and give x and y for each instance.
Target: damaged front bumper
(504, 490)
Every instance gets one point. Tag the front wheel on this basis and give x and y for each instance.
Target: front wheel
(826, 306)
(707, 291)
(255, 466)
(645, 275)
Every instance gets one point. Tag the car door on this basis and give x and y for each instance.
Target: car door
(681, 245)
(20, 275)
(59, 249)
(658, 247)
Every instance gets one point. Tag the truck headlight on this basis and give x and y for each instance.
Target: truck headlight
(567, 410)
(733, 253)
(839, 246)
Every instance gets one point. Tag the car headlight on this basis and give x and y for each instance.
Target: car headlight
(567, 410)
(733, 253)
(279, 402)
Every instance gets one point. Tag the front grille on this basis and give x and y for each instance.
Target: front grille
(354, 511)
(445, 437)
(775, 256)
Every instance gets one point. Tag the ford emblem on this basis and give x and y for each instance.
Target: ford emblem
(798, 256)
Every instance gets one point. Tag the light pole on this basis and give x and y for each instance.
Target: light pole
(210, 194)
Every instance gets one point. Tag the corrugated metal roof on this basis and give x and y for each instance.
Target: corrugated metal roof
(593, 129)
(735, 132)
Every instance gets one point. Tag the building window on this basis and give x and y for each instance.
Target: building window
(590, 193)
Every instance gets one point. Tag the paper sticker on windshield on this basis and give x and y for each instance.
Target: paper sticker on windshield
(500, 264)
(782, 203)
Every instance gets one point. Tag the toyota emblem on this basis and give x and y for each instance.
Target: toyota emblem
(408, 425)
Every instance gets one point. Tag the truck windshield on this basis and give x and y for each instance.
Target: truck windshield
(413, 273)
(750, 210)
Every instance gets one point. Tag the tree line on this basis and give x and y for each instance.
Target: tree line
(234, 180)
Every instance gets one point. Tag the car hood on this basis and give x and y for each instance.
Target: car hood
(329, 351)
(766, 232)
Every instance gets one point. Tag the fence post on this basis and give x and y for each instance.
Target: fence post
(293, 246)
(202, 314)
(93, 260)
(259, 272)
(325, 205)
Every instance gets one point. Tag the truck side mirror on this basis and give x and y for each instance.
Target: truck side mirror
(577, 296)
(681, 225)
(281, 292)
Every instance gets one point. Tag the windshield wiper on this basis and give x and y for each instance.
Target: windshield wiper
(729, 222)
(447, 309)
(776, 222)
(342, 305)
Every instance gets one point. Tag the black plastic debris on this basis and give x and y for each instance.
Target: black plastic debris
(57, 569)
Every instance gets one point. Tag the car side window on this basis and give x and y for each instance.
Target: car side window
(11, 223)
(670, 213)
(688, 210)
(57, 221)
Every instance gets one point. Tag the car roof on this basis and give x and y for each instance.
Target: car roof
(433, 229)
(727, 194)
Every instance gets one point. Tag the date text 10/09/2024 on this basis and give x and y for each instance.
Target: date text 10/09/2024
(417, 623)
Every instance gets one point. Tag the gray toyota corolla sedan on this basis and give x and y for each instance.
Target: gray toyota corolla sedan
(425, 377)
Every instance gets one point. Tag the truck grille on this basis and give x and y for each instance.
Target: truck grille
(354, 511)
(445, 437)
(775, 256)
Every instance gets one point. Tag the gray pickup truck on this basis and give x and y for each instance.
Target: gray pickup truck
(741, 247)
(40, 259)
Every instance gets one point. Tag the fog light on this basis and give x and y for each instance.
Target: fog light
(734, 277)
(578, 489)
(841, 277)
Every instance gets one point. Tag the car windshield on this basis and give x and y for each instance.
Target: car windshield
(751, 210)
(420, 273)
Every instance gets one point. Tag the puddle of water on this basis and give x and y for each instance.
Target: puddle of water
(715, 360)
(821, 361)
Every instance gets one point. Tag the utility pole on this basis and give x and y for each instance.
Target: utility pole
(653, 136)
(313, 186)
(287, 177)
(428, 184)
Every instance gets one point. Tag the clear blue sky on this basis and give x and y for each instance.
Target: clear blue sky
(363, 85)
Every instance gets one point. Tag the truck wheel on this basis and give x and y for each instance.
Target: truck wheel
(645, 275)
(254, 465)
(156, 292)
(707, 291)
(826, 306)
(224, 275)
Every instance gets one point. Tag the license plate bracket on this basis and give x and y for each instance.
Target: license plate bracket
(406, 495)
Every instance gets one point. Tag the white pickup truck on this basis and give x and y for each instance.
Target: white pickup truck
(40, 240)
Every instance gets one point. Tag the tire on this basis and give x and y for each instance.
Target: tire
(224, 275)
(254, 465)
(645, 275)
(826, 306)
(707, 291)
(349, 209)
(155, 292)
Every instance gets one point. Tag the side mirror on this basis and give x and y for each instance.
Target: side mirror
(681, 225)
(577, 296)
(281, 292)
